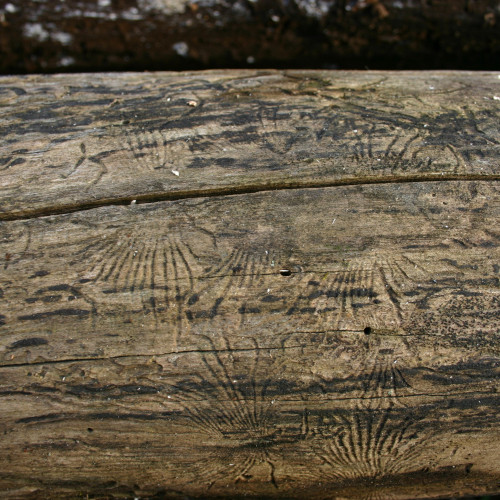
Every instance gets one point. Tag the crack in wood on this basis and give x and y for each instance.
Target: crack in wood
(240, 190)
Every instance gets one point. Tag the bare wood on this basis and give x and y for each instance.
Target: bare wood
(335, 340)
(76, 141)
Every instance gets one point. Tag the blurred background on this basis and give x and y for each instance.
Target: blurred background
(117, 35)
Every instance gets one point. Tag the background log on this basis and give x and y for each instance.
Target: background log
(250, 284)
(102, 35)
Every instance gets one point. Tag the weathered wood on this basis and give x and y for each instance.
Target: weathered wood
(330, 330)
(102, 35)
(100, 139)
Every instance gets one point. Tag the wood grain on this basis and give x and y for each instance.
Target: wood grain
(337, 338)
(98, 139)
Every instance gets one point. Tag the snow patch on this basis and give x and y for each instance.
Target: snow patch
(314, 8)
(61, 37)
(181, 49)
(35, 30)
(67, 61)
(169, 7)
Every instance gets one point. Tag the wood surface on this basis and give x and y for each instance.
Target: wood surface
(264, 284)
(103, 35)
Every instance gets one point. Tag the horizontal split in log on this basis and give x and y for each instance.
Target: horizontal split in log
(237, 190)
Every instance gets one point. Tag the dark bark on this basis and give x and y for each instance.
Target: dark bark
(101, 35)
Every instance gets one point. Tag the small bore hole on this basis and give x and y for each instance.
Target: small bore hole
(89, 429)
(367, 330)
(285, 272)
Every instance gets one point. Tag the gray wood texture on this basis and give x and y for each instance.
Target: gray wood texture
(270, 284)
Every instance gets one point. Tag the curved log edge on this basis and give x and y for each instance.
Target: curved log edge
(124, 35)
(79, 141)
(331, 333)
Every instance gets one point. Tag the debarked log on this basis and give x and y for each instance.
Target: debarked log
(267, 284)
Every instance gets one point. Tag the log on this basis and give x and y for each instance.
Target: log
(266, 284)
(104, 35)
